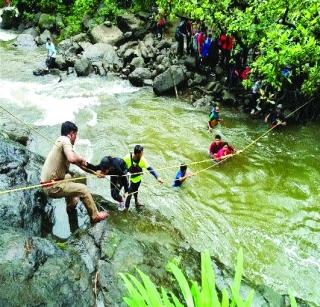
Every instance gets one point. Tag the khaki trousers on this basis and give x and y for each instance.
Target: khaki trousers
(70, 190)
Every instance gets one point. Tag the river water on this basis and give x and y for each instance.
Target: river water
(265, 200)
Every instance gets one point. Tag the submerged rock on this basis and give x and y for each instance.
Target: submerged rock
(138, 75)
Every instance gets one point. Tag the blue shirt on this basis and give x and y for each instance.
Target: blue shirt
(177, 182)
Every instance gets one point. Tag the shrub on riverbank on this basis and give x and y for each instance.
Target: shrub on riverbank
(147, 294)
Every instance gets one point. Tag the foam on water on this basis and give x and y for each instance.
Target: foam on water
(59, 102)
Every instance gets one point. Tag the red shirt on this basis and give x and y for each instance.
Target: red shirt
(245, 73)
(215, 147)
(226, 42)
(224, 152)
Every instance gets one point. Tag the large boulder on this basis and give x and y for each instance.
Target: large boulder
(137, 62)
(61, 62)
(47, 22)
(165, 82)
(82, 67)
(138, 75)
(25, 41)
(32, 31)
(129, 22)
(97, 51)
(227, 97)
(104, 34)
(111, 60)
(9, 18)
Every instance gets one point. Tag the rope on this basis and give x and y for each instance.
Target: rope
(164, 168)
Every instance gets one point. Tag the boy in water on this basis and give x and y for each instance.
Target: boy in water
(181, 176)
(214, 117)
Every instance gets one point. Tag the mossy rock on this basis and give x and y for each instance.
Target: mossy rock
(47, 22)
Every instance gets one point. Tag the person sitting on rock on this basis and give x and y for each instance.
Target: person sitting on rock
(55, 171)
(215, 146)
(51, 55)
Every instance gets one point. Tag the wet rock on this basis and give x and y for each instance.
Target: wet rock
(138, 75)
(104, 34)
(148, 82)
(129, 22)
(99, 68)
(25, 41)
(108, 23)
(81, 37)
(61, 62)
(47, 22)
(204, 102)
(82, 67)
(9, 18)
(129, 55)
(148, 40)
(165, 82)
(146, 52)
(20, 135)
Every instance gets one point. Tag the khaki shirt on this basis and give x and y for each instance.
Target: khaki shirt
(56, 165)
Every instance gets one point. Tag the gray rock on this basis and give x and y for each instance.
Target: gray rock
(163, 44)
(129, 22)
(159, 58)
(111, 60)
(47, 22)
(84, 45)
(21, 136)
(138, 75)
(82, 67)
(204, 102)
(129, 55)
(146, 52)
(199, 79)
(164, 83)
(42, 39)
(190, 63)
(137, 62)
(228, 97)
(25, 41)
(125, 47)
(81, 37)
(99, 68)
(148, 40)
(104, 34)
(97, 51)
(9, 18)
(148, 82)
(61, 62)
(108, 23)
(32, 31)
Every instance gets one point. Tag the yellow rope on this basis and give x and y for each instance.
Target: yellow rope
(160, 169)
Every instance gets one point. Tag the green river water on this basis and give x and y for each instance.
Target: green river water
(265, 200)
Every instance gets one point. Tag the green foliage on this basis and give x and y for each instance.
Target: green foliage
(144, 293)
(281, 32)
(108, 10)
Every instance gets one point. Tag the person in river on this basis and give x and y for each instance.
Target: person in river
(276, 117)
(51, 55)
(55, 171)
(214, 117)
(225, 152)
(181, 176)
(117, 169)
(136, 163)
(215, 146)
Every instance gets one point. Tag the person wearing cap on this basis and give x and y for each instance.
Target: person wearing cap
(276, 117)
(117, 169)
(136, 163)
(56, 180)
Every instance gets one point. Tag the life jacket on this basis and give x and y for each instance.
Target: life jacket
(134, 167)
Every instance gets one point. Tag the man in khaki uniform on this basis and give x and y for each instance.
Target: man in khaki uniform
(56, 168)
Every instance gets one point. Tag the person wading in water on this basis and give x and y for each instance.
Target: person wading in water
(136, 163)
